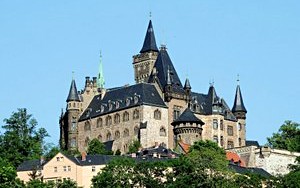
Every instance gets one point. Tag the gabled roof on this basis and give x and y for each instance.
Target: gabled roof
(185, 147)
(73, 93)
(149, 42)
(163, 65)
(30, 165)
(235, 158)
(252, 143)
(244, 170)
(187, 117)
(238, 105)
(123, 98)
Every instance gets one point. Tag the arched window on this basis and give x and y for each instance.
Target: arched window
(108, 136)
(126, 116)
(73, 142)
(117, 119)
(136, 114)
(108, 121)
(162, 132)
(99, 122)
(136, 131)
(86, 141)
(100, 138)
(157, 114)
(126, 133)
(240, 142)
(222, 141)
(87, 126)
(117, 134)
(74, 123)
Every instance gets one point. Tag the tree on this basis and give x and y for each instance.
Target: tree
(287, 138)
(8, 175)
(134, 146)
(208, 155)
(21, 141)
(97, 147)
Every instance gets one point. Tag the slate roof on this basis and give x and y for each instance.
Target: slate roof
(252, 143)
(91, 159)
(30, 165)
(163, 65)
(187, 116)
(246, 170)
(206, 103)
(160, 150)
(187, 84)
(73, 93)
(238, 105)
(149, 42)
(123, 98)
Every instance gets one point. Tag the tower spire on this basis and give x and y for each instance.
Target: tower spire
(73, 93)
(100, 78)
(238, 105)
(149, 42)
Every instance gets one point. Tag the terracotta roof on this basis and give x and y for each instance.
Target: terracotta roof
(235, 158)
(185, 147)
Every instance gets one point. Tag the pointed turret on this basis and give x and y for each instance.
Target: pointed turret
(73, 93)
(149, 42)
(100, 78)
(187, 84)
(212, 95)
(238, 106)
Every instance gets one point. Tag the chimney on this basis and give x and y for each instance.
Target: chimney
(95, 81)
(83, 156)
(42, 160)
(87, 81)
(133, 155)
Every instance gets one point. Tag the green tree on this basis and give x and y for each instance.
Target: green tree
(67, 184)
(134, 146)
(97, 147)
(21, 141)
(287, 138)
(8, 175)
(208, 155)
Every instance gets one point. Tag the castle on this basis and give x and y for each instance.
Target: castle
(157, 109)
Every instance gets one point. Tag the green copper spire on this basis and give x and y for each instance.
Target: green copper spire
(100, 79)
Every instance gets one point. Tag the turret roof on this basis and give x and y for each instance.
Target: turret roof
(149, 42)
(187, 116)
(73, 93)
(238, 105)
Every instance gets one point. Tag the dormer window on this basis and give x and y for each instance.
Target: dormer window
(136, 99)
(102, 108)
(117, 105)
(127, 102)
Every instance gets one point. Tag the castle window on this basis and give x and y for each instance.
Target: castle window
(240, 126)
(127, 102)
(136, 131)
(157, 114)
(222, 141)
(215, 123)
(230, 130)
(240, 142)
(87, 126)
(176, 112)
(73, 143)
(55, 169)
(117, 119)
(74, 124)
(93, 169)
(136, 114)
(108, 136)
(126, 133)
(108, 120)
(117, 134)
(162, 132)
(126, 116)
(86, 141)
(99, 122)
(230, 144)
(215, 139)
(221, 125)
(100, 138)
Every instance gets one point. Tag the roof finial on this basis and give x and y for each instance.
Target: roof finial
(100, 80)
(238, 79)
(150, 15)
(211, 82)
(73, 75)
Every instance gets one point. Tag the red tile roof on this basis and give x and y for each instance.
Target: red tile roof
(235, 158)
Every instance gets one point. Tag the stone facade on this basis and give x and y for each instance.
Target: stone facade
(274, 161)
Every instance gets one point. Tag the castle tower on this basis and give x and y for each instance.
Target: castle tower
(187, 128)
(100, 79)
(144, 61)
(68, 122)
(240, 112)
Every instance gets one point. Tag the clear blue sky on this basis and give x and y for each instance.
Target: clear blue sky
(42, 42)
